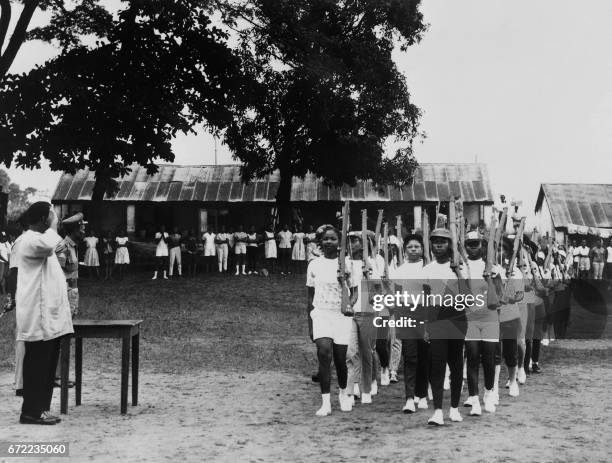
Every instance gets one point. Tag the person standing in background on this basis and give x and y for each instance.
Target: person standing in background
(284, 249)
(122, 255)
(240, 240)
(108, 254)
(91, 259)
(208, 239)
(191, 246)
(43, 312)
(252, 244)
(298, 253)
(222, 244)
(174, 244)
(161, 252)
(609, 263)
(584, 263)
(270, 251)
(598, 259)
(5, 252)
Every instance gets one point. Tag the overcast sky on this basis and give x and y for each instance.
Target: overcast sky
(523, 86)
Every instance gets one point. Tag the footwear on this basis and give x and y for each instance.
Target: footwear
(49, 416)
(243, 272)
(282, 273)
(422, 403)
(315, 378)
(237, 273)
(476, 410)
(58, 383)
(325, 406)
(393, 377)
(366, 398)
(19, 392)
(26, 419)
(535, 368)
(437, 419)
(154, 276)
(521, 376)
(489, 404)
(374, 389)
(507, 384)
(409, 407)
(545, 342)
(514, 389)
(165, 276)
(384, 377)
(356, 391)
(248, 273)
(346, 404)
(469, 401)
(416, 399)
(454, 415)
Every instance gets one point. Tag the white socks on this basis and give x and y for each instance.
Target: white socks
(384, 377)
(346, 403)
(366, 398)
(489, 401)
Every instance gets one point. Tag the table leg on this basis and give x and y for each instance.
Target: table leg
(135, 364)
(78, 368)
(64, 369)
(125, 371)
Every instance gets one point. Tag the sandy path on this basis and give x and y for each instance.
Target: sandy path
(562, 415)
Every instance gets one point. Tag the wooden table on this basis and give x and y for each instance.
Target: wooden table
(126, 330)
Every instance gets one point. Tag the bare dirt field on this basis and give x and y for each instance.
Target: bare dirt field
(225, 376)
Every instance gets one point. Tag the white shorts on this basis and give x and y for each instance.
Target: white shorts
(330, 324)
(240, 248)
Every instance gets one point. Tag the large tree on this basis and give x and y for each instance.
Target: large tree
(161, 67)
(332, 94)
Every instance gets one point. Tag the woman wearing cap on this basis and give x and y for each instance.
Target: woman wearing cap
(414, 350)
(482, 331)
(328, 327)
(446, 327)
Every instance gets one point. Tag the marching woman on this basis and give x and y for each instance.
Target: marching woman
(270, 251)
(91, 258)
(510, 316)
(328, 327)
(446, 327)
(122, 255)
(482, 331)
(415, 350)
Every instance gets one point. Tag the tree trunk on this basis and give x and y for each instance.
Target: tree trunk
(18, 37)
(104, 184)
(283, 198)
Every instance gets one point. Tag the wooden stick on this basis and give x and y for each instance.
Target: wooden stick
(426, 246)
(518, 239)
(345, 309)
(452, 223)
(377, 232)
(398, 232)
(386, 249)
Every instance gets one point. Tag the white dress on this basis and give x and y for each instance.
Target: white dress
(210, 249)
(91, 258)
(299, 250)
(122, 256)
(270, 246)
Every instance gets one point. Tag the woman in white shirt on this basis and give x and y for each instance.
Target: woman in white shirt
(328, 327)
(91, 258)
(270, 250)
(161, 252)
(122, 255)
(221, 243)
(284, 249)
(208, 239)
(298, 253)
(446, 327)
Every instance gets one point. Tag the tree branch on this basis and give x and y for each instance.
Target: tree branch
(5, 19)
(18, 36)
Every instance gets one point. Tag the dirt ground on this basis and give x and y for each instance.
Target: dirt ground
(260, 407)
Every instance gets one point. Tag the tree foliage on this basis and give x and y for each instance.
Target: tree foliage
(331, 94)
(18, 199)
(162, 67)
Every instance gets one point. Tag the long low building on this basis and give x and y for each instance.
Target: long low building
(574, 210)
(197, 197)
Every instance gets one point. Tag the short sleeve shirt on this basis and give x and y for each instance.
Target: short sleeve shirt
(322, 275)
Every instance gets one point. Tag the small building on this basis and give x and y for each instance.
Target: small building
(197, 197)
(568, 211)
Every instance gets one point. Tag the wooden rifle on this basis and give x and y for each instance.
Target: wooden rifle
(377, 232)
(426, 244)
(499, 233)
(398, 232)
(493, 284)
(452, 216)
(346, 296)
(461, 228)
(549, 251)
(386, 250)
(365, 244)
(518, 239)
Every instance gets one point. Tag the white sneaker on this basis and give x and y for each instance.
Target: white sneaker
(384, 377)
(489, 404)
(374, 389)
(366, 398)
(393, 377)
(545, 342)
(476, 410)
(521, 376)
(255, 272)
(282, 273)
(243, 272)
(469, 401)
(416, 399)
(248, 273)
(507, 384)
(422, 403)
(345, 401)
(154, 276)
(325, 406)
(409, 407)
(514, 389)
(437, 419)
(356, 391)
(237, 273)
(454, 415)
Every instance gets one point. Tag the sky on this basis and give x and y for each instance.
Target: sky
(523, 86)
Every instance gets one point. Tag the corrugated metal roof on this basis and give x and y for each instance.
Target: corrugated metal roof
(432, 182)
(580, 204)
